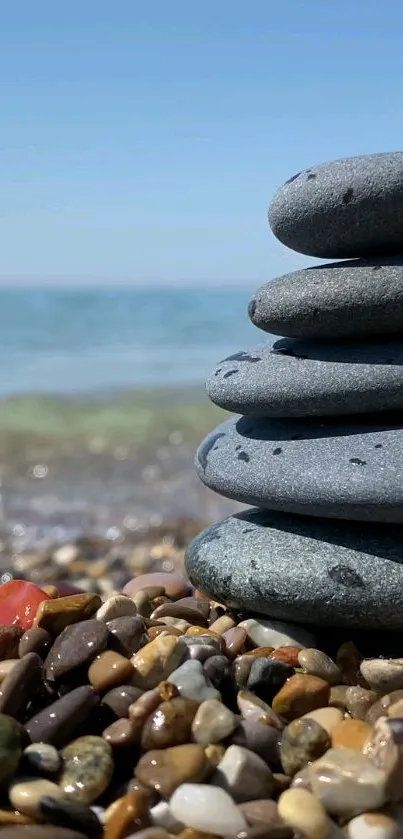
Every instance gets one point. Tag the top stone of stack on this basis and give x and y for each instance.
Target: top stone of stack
(344, 209)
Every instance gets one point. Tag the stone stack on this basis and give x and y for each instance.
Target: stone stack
(317, 442)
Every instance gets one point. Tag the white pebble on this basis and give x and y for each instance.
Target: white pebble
(117, 606)
(65, 555)
(207, 808)
(268, 633)
(161, 816)
(373, 826)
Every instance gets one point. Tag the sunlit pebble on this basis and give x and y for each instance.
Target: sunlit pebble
(175, 438)
(113, 533)
(120, 453)
(40, 470)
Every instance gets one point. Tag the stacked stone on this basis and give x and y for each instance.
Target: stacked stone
(317, 442)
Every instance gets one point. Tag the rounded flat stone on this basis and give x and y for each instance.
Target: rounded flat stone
(303, 378)
(353, 299)
(346, 208)
(294, 568)
(338, 468)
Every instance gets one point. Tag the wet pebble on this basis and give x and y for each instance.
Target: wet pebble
(267, 676)
(243, 774)
(108, 670)
(54, 615)
(207, 808)
(192, 683)
(58, 722)
(235, 639)
(35, 640)
(327, 718)
(127, 634)
(71, 814)
(213, 722)
(20, 684)
(373, 826)
(87, 768)
(170, 724)
(347, 782)
(122, 733)
(352, 734)
(317, 663)
(299, 695)
(269, 633)
(303, 741)
(300, 809)
(165, 769)
(119, 699)
(157, 660)
(260, 738)
(25, 794)
(117, 606)
(41, 758)
(383, 675)
(381, 707)
(287, 654)
(75, 647)
(359, 700)
(174, 585)
(194, 610)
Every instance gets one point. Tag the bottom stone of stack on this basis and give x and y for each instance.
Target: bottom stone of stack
(302, 569)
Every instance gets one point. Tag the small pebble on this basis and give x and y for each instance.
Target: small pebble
(55, 615)
(373, 826)
(267, 633)
(170, 724)
(243, 774)
(166, 769)
(192, 683)
(35, 640)
(235, 639)
(75, 647)
(42, 758)
(207, 808)
(317, 663)
(301, 694)
(327, 718)
(347, 782)
(119, 699)
(71, 814)
(359, 701)
(174, 585)
(337, 697)
(287, 654)
(10, 747)
(267, 676)
(109, 670)
(260, 738)
(87, 768)
(25, 794)
(213, 722)
(304, 813)
(9, 641)
(383, 675)
(380, 708)
(58, 722)
(222, 624)
(157, 660)
(303, 741)
(187, 608)
(122, 733)
(352, 734)
(117, 606)
(127, 634)
(20, 684)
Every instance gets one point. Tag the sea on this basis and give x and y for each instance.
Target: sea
(102, 405)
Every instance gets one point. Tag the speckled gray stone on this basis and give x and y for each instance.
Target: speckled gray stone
(347, 208)
(296, 568)
(303, 378)
(340, 468)
(353, 299)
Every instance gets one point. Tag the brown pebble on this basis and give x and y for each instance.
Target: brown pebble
(20, 685)
(109, 670)
(154, 631)
(132, 813)
(55, 615)
(299, 695)
(51, 591)
(222, 624)
(352, 734)
(260, 652)
(187, 608)
(170, 724)
(144, 705)
(349, 659)
(13, 817)
(317, 663)
(58, 723)
(165, 769)
(234, 641)
(157, 660)
(76, 646)
(287, 654)
(122, 732)
(119, 699)
(174, 585)
(200, 630)
(337, 699)
(9, 641)
(127, 634)
(34, 640)
(263, 811)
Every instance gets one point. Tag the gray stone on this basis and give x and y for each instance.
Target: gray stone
(348, 468)
(303, 378)
(303, 569)
(347, 208)
(353, 299)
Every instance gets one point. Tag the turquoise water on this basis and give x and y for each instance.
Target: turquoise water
(69, 341)
(102, 405)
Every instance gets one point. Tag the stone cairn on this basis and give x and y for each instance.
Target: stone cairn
(316, 445)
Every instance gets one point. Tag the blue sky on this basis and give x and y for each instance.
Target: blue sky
(142, 142)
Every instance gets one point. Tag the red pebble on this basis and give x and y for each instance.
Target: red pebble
(19, 601)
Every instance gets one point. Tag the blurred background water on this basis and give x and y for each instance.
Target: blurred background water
(102, 405)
